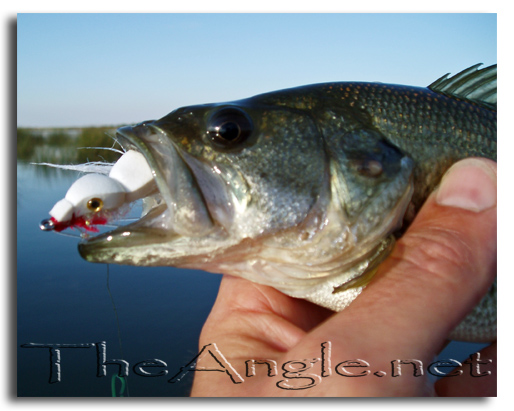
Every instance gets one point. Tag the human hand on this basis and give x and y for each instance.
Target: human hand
(438, 271)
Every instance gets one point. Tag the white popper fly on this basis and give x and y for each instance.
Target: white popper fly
(94, 197)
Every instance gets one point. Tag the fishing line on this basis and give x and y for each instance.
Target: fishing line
(76, 236)
(130, 219)
(102, 148)
(123, 380)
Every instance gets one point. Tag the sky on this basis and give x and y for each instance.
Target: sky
(110, 69)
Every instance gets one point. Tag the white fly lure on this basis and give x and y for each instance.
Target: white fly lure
(95, 199)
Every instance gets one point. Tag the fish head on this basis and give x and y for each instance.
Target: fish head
(251, 189)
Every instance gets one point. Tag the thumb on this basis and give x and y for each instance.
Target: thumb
(446, 261)
(436, 274)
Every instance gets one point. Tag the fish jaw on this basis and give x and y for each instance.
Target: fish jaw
(322, 259)
(226, 213)
(186, 211)
(179, 216)
(209, 208)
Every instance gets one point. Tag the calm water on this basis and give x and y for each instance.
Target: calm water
(154, 313)
(64, 300)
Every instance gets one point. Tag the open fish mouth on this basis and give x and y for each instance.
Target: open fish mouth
(235, 213)
(302, 190)
(202, 214)
(191, 200)
(215, 208)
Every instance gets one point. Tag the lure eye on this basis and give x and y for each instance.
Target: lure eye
(229, 126)
(95, 205)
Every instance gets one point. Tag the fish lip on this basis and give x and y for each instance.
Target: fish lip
(221, 199)
(91, 248)
(105, 247)
(132, 137)
(163, 224)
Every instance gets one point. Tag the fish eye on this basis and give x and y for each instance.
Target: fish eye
(229, 126)
(95, 205)
(367, 167)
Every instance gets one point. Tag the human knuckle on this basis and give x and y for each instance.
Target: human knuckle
(439, 251)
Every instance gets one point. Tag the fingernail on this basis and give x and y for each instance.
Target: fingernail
(469, 184)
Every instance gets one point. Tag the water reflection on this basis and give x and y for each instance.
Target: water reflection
(157, 314)
(62, 299)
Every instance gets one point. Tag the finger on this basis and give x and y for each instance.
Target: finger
(250, 321)
(446, 261)
(257, 312)
(437, 272)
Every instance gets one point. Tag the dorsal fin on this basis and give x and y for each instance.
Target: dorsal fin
(471, 84)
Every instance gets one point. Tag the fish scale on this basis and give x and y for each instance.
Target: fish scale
(433, 129)
(303, 189)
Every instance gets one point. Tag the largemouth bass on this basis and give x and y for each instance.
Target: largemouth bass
(302, 189)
